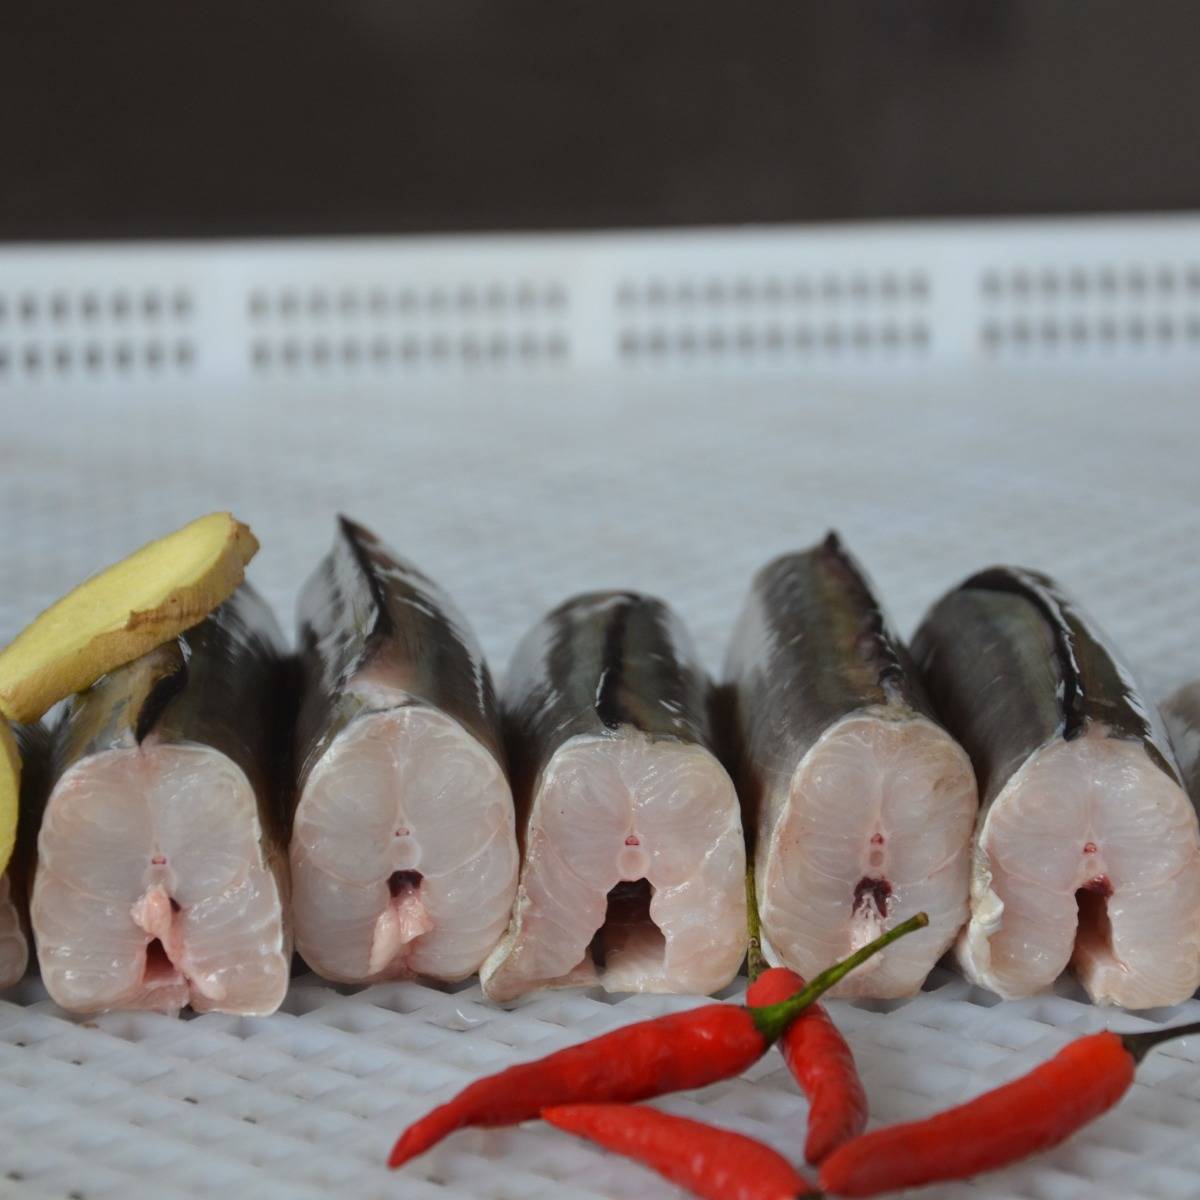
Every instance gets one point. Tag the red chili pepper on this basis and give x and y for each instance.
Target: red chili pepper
(813, 1048)
(668, 1054)
(821, 1062)
(1032, 1113)
(717, 1164)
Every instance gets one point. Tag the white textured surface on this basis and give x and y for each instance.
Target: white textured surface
(515, 488)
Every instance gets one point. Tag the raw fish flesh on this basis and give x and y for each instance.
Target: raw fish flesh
(860, 803)
(1087, 851)
(161, 876)
(403, 850)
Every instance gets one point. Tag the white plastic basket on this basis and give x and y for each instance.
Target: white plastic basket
(528, 417)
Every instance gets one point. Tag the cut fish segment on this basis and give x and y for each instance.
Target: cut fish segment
(633, 856)
(403, 850)
(863, 805)
(1088, 848)
(160, 878)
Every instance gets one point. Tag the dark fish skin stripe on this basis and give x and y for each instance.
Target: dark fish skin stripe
(221, 684)
(162, 691)
(879, 641)
(33, 743)
(596, 663)
(609, 707)
(1098, 686)
(1181, 712)
(1012, 661)
(357, 538)
(367, 614)
(1040, 591)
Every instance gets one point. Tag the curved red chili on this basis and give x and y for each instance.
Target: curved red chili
(716, 1164)
(648, 1058)
(821, 1063)
(1032, 1113)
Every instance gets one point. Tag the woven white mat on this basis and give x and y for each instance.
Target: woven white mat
(514, 491)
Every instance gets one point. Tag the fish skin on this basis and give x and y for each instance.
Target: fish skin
(224, 685)
(1181, 715)
(405, 632)
(813, 655)
(1018, 671)
(598, 661)
(1018, 625)
(35, 745)
(811, 645)
(376, 636)
(1013, 624)
(971, 636)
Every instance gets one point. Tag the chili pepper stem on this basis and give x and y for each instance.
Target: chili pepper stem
(772, 1019)
(754, 954)
(1140, 1044)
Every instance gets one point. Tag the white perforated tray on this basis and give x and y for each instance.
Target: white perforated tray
(684, 407)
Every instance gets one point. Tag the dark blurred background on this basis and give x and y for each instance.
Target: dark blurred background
(410, 115)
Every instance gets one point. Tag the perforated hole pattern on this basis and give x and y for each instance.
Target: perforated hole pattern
(776, 316)
(515, 491)
(1084, 309)
(380, 326)
(61, 332)
(879, 298)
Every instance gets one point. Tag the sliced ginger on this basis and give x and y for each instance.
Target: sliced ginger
(123, 612)
(10, 792)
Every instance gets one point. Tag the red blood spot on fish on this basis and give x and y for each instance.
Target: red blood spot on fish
(1100, 885)
(876, 891)
(404, 881)
(401, 832)
(159, 860)
(877, 839)
(1089, 848)
(631, 840)
(159, 968)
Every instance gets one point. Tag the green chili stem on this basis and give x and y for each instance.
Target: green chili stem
(754, 955)
(773, 1019)
(1140, 1044)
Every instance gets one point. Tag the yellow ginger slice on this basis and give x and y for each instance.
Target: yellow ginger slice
(123, 612)
(10, 792)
